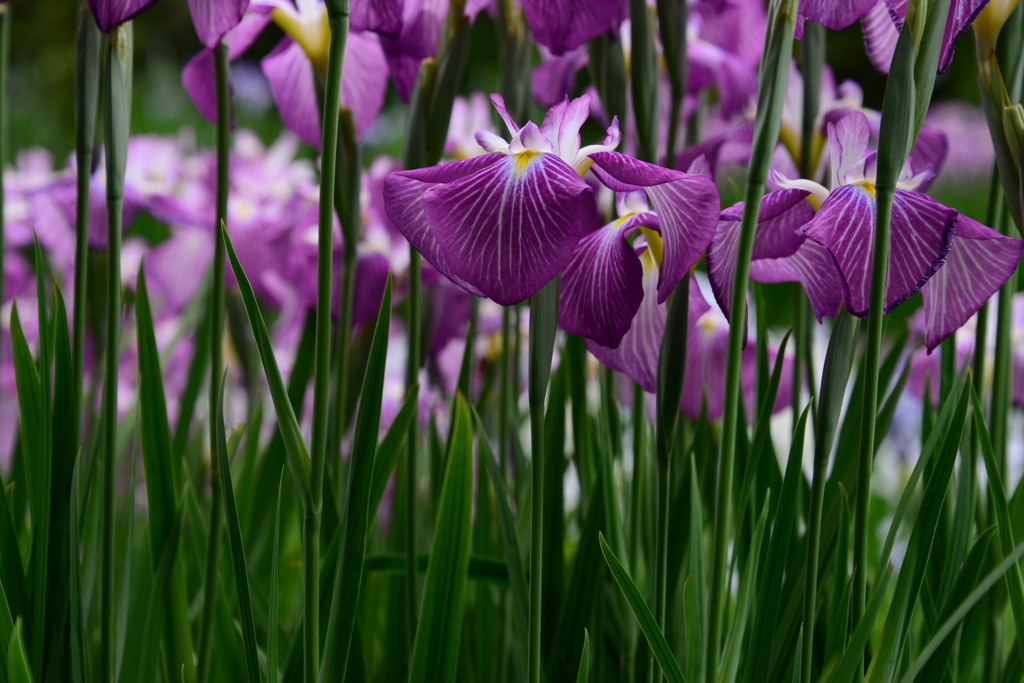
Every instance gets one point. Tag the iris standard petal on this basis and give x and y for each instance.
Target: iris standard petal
(687, 207)
(848, 139)
(403, 202)
(214, 18)
(922, 230)
(292, 83)
(782, 213)
(380, 16)
(602, 287)
(979, 262)
(509, 228)
(563, 25)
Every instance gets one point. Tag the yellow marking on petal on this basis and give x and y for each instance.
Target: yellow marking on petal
(867, 186)
(314, 37)
(790, 139)
(584, 166)
(654, 244)
(814, 201)
(521, 160)
(707, 324)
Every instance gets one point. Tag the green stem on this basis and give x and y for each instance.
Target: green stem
(543, 317)
(222, 68)
(504, 390)
(412, 443)
(87, 53)
(338, 19)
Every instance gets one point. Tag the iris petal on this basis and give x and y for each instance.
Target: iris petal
(509, 228)
(812, 267)
(292, 83)
(214, 18)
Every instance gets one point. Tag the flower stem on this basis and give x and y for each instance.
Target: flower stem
(116, 122)
(412, 442)
(87, 83)
(223, 88)
(543, 322)
(338, 18)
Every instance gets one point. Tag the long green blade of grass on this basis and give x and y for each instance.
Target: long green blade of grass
(18, 670)
(273, 620)
(391, 447)
(584, 672)
(436, 646)
(695, 602)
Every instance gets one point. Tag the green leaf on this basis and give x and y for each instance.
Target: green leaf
(896, 132)
(298, 457)
(481, 569)
(853, 655)
(149, 646)
(655, 638)
(12, 573)
(584, 672)
(237, 552)
(886, 658)
(6, 629)
(392, 446)
(349, 569)
(77, 647)
(839, 604)
(695, 601)
(273, 620)
(960, 612)
(748, 583)
(18, 670)
(436, 648)
(644, 79)
(510, 542)
(770, 591)
(445, 84)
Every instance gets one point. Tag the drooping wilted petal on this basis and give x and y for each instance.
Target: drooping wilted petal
(404, 202)
(602, 287)
(687, 207)
(214, 18)
(563, 25)
(112, 13)
(510, 227)
(979, 262)
(380, 16)
(292, 83)
(834, 14)
(813, 268)
(782, 213)
(922, 230)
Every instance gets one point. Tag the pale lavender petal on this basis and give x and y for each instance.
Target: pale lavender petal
(499, 105)
(555, 77)
(214, 18)
(382, 16)
(403, 201)
(834, 14)
(511, 227)
(979, 262)
(922, 230)
(198, 80)
(848, 139)
(812, 267)
(564, 25)
(292, 83)
(602, 287)
(706, 350)
(362, 85)
(687, 207)
(930, 150)
(241, 37)
(112, 13)
(880, 36)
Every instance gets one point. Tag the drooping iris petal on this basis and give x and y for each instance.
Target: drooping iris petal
(922, 230)
(381, 16)
(403, 201)
(636, 356)
(962, 14)
(706, 349)
(362, 84)
(834, 14)
(734, 79)
(422, 21)
(602, 286)
(511, 227)
(555, 77)
(736, 26)
(775, 237)
(563, 25)
(979, 262)
(687, 207)
(293, 85)
(112, 13)
(880, 36)
(214, 18)
(929, 151)
(371, 279)
(812, 267)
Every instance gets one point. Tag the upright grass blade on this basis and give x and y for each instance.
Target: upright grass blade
(18, 670)
(510, 542)
(584, 672)
(237, 552)
(437, 636)
(149, 645)
(769, 595)
(29, 403)
(298, 457)
(655, 638)
(391, 446)
(1014, 582)
(349, 576)
(77, 646)
(273, 620)
(695, 602)
(853, 655)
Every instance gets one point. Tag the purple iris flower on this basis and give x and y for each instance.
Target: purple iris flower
(880, 35)
(110, 14)
(503, 224)
(214, 18)
(564, 25)
(972, 267)
(292, 67)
